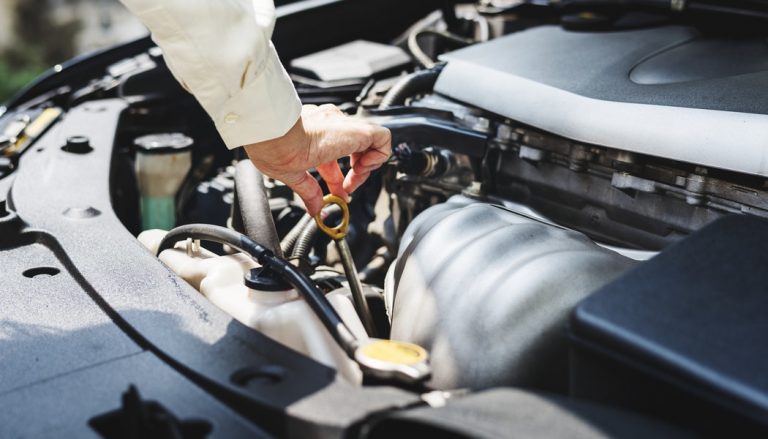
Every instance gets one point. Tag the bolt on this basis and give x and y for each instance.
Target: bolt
(78, 145)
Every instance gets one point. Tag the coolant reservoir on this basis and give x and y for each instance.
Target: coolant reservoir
(281, 315)
(162, 163)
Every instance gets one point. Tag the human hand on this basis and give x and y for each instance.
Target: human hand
(321, 136)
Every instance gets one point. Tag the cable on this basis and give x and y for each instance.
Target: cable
(483, 28)
(421, 57)
(418, 54)
(421, 81)
(314, 297)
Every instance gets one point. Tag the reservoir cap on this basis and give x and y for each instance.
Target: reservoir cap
(392, 359)
(163, 143)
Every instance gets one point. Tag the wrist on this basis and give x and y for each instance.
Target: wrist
(283, 151)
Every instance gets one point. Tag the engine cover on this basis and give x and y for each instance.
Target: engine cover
(488, 292)
(668, 92)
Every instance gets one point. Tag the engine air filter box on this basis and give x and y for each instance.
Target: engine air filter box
(684, 336)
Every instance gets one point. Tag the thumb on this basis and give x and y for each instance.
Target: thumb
(307, 188)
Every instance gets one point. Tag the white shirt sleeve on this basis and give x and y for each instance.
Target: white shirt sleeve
(220, 51)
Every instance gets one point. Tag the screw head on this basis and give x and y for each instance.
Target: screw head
(78, 145)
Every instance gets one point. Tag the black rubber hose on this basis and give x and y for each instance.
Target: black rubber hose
(307, 236)
(314, 297)
(252, 215)
(422, 81)
(289, 241)
(304, 241)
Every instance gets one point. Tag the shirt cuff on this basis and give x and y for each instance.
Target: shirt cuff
(266, 108)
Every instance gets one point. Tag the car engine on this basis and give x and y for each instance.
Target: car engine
(543, 163)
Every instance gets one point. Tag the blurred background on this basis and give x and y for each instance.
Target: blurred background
(38, 34)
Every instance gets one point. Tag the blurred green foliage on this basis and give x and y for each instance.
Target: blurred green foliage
(13, 79)
(40, 42)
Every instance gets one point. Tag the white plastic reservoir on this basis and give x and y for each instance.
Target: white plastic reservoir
(281, 315)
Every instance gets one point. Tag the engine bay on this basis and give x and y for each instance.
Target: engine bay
(536, 167)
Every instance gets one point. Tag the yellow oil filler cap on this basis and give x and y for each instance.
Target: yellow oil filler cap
(391, 359)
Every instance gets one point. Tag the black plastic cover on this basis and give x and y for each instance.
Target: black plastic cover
(66, 406)
(694, 320)
(513, 413)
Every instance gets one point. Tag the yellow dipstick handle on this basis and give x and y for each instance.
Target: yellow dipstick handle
(340, 231)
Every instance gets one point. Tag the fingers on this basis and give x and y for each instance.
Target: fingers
(378, 151)
(307, 188)
(373, 158)
(360, 173)
(323, 135)
(381, 139)
(365, 162)
(354, 180)
(333, 177)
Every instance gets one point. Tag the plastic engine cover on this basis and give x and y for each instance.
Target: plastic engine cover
(488, 292)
